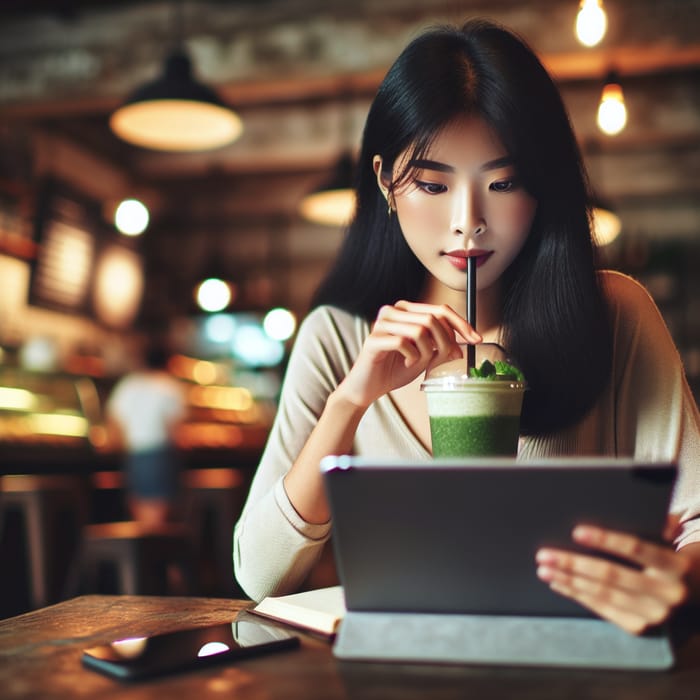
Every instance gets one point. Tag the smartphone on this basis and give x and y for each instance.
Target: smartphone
(136, 658)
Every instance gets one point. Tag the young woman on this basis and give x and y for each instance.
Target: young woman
(468, 151)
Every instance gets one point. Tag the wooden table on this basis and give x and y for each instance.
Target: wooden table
(40, 658)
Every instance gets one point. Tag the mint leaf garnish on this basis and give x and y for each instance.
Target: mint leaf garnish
(486, 371)
(497, 371)
(507, 371)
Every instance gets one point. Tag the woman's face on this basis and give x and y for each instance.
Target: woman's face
(463, 199)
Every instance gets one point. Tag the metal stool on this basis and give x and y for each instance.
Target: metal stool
(213, 500)
(53, 510)
(142, 558)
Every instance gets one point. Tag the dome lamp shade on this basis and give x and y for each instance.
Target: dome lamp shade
(176, 112)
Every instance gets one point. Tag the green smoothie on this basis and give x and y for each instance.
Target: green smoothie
(458, 436)
(475, 416)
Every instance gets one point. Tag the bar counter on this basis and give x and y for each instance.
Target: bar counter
(40, 658)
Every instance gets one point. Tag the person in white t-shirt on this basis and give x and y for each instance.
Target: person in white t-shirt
(144, 410)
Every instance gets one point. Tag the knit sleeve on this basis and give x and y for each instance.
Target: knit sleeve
(656, 416)
(274, 549)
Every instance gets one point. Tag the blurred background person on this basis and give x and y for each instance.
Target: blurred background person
(143, 412)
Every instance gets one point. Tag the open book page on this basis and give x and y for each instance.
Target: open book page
(319, 610)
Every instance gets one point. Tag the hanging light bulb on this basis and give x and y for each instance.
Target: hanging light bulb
(591, 22)
(612, 112)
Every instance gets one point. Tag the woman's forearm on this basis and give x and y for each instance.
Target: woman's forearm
(333, 434)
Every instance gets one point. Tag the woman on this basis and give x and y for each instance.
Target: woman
(467, 150)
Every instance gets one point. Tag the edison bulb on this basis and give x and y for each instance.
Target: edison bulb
(591, 22)
(612, 113)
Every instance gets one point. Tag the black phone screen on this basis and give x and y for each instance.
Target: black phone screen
(143, 657)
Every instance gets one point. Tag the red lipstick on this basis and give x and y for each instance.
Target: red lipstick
(458, 258)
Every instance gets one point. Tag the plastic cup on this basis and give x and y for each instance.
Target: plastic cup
(472, 417)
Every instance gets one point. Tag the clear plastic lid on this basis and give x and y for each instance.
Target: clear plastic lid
(454, 374)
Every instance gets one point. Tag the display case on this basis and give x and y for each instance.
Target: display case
(46, 419)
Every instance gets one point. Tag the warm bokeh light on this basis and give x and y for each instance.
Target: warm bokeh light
(231, 398)
(612, 112)
(330, 207)
(118, 286)
(16, 399)
(176, 125)
(591, 22)
(131, 217)
(279, 324)
(59, 424)
(204, 372)
(213, 295)
(606, 226)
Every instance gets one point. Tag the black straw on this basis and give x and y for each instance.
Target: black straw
(471, 308)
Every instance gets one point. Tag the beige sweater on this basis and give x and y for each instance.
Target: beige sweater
(647, 412)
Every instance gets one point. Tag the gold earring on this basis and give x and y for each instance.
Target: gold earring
(390, 209)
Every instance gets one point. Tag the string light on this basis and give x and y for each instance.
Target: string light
(591, 22)
(612, 112)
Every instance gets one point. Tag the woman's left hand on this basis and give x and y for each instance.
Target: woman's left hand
(632, 598)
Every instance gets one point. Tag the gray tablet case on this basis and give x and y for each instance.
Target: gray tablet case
(437, 558)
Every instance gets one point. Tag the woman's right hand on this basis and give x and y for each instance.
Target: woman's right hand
(406, 339)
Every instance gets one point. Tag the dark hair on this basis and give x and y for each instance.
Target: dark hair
(555, 321)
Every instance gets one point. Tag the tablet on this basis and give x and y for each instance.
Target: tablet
(450, 536)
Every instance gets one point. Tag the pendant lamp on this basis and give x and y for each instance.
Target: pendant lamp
(176, 112)
(333, 203)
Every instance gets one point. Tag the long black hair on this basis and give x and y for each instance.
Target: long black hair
(555, 321)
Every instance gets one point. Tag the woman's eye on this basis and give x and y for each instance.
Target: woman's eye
(431, 187)
(503, 185)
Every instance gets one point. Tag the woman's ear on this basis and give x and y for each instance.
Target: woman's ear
(381, 182)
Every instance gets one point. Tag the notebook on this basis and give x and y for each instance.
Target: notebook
(437, 559)
(319, 610)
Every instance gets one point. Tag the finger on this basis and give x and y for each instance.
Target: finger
(420, 314)
(673, 527)
(446, 312)
(430, 333)
(660, 559)
(596, 575)
(380, 344)
(633, 620)
(422, 338)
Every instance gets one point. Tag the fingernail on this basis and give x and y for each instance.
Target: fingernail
(585, 533)
(544, 573)
(544, 556)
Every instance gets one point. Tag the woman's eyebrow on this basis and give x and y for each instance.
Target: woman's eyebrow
(426, 164)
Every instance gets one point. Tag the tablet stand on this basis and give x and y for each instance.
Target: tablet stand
(503, 640)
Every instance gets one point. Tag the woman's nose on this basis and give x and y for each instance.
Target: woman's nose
(467, 218)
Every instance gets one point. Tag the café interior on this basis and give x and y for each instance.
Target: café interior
(286, 85)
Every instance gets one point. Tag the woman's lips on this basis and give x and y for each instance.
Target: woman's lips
(458, 258)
